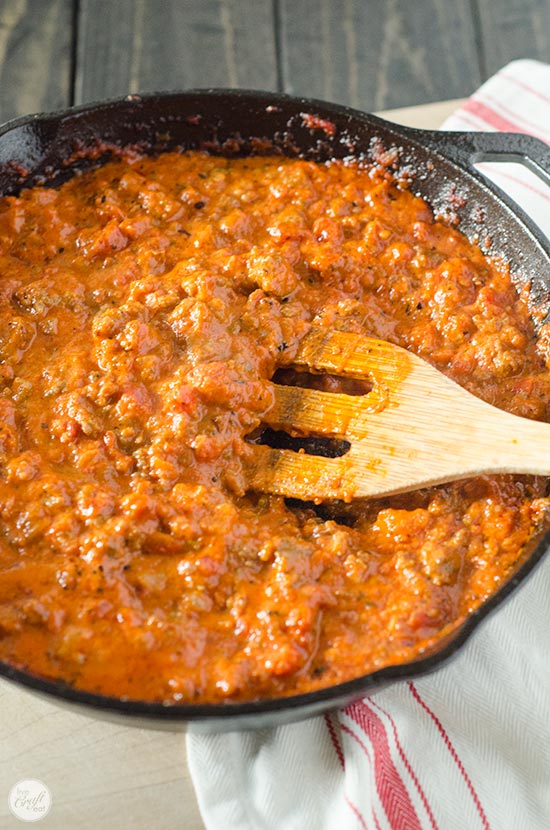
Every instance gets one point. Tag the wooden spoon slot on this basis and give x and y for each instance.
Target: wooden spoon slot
(323, 381)
(309, 445)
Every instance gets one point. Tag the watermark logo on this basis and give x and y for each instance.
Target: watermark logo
(30, 800)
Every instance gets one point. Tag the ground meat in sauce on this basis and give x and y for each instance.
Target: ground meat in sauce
(143, 307)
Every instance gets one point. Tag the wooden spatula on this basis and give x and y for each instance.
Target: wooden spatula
(415, 428)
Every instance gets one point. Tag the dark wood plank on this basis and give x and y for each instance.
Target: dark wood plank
(143, 45)
(378, 54)
(513, 29)
(35, 56)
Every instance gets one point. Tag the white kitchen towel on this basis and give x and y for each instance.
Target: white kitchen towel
(467, 747)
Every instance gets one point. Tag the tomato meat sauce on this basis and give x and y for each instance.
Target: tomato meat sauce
(144, 306)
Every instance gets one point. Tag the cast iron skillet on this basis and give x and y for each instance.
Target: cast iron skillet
(47, 149)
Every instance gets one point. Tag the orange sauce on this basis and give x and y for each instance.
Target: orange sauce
(143, 308)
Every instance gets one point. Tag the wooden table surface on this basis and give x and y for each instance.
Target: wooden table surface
(372, 54)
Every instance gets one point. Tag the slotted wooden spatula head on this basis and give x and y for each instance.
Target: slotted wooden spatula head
(414, 428)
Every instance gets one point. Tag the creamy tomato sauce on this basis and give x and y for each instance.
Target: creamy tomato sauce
(143, 308)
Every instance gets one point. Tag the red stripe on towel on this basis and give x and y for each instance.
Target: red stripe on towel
(526, 87)
(528, 125)
(489, 116)
(352, 734)
(408, 766)
(454, 755)
(358, 815)
(335, 741)
(391, 787)
(340, 755)
(473, 122)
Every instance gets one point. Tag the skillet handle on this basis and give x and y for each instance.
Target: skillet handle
(468, 149)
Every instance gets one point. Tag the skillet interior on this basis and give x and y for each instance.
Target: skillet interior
(49, 149)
